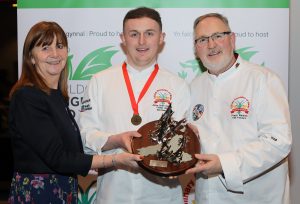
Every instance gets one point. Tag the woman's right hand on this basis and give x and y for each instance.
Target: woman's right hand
(119, 161)
(126, 160)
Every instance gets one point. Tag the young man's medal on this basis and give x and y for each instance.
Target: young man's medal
(136, 118)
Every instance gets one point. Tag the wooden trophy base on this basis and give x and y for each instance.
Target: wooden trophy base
(171, 157)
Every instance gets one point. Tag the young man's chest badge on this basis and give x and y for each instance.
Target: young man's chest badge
(162, 99)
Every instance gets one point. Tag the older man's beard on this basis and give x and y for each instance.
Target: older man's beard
(220, 66)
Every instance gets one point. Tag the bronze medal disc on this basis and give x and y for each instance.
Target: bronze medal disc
(136, 119)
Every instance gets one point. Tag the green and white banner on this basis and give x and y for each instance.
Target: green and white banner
(93, 28)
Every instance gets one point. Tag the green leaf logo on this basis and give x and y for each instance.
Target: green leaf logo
(246, 55)
(85, 194)
(194, 65)
(198, 68)
(96, 61)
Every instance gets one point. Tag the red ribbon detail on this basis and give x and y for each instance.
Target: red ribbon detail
(134, 104)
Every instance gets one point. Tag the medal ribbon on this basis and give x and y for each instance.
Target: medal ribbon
(134, 104)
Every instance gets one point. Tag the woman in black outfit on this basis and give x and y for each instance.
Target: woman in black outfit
(46, 140)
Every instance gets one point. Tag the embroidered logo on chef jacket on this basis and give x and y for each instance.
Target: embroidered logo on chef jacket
(240, 108)
(86, 105)
(198, 111)
(162, 99)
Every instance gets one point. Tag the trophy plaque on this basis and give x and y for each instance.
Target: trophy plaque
(168, 146)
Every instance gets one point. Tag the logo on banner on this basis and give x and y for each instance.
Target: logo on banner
(198, 68)
(96, 61)
(194, 65)
(86, 105)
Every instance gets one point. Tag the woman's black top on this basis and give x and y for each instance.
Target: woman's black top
(45, 136)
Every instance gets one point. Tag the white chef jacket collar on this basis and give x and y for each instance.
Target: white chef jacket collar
(233, 69)
(146, 71)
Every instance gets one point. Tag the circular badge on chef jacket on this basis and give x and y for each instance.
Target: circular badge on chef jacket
(197, 111)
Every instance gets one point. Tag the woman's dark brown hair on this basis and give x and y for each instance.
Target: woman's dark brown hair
(41, 34)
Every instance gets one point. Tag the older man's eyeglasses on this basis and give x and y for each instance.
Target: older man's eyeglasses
(216, 37)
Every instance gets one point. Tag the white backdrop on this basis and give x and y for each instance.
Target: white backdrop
(93, 35)
(264, 42)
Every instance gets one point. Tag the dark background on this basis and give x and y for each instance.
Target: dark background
(8, 76)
